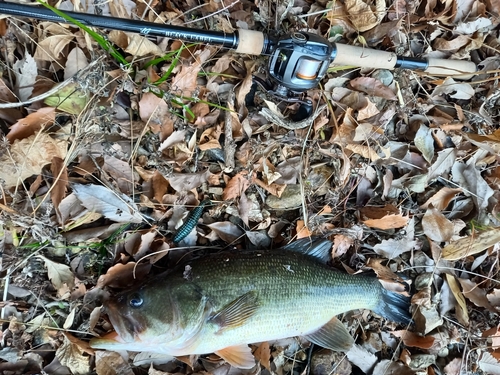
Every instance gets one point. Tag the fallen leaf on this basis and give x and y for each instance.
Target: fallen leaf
(71, 99)
(226, 231)
(112, 205)
(59, 274)
(362, 358)
(461, 307)
(76, 61)
(473, 244)
(436, 226)
(123, 275)
(392, 248)
(188, 181)
(176, 137)
(387, 222)
(31, 124)
(58, 191)
(363, 16)
(71, 355)
(425, 143)
(111, 363)
(475, 294)
(25, 71)
(455, 89)
(489, 364)
(442, 166)
(135, 44)
(236, 186)
(413, 339)
(442, 198)
(372, 86)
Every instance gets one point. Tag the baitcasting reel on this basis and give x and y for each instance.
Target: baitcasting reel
(297, 63)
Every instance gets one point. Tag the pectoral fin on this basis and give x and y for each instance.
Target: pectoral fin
(238, 356)
(333, 335)
(236, 312)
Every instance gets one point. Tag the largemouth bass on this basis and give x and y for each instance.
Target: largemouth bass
(224, 302)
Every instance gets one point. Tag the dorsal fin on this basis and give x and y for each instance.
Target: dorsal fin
(318, 248)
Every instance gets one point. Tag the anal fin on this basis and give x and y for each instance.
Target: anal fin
(333, 335)
(238, 356)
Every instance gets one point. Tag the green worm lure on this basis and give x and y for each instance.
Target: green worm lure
(190, 222)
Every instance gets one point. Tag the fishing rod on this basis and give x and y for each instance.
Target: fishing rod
(297, 61)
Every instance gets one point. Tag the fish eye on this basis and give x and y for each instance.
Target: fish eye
(135, 300)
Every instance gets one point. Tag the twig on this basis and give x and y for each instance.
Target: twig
(229, 144)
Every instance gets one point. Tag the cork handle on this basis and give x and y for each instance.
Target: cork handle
(459, 69)
(364, 57)
(250, 42)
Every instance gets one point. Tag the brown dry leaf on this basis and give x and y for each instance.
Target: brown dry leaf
(111, 363)
(60, 275)
(341, 244)
(443, 164)
(494, 298)
(28, 156)
(274, 188)
(389, 279)
(134, 44)
(392, 248)
(302, 230)
(236, 186)
(369, 110)
(123, 275)
(31, 124)
(155, 112)
(51, 48)
(372, 86)
(188, 181)
(475, 294)
(263, 355)
(121, 172)
(453, 45)
(414, 340)
(471, 245)
(365, 151)
(454, 367)
(10, 115)
(226, 231)
(456, 90)
(436, 226)
(388, 222)
(442, 198)
(58, 191)
(185, 81)
(177, 137)
(71, 356)
(461, 307)
(363, 16)
(210, 138)
(76, 61)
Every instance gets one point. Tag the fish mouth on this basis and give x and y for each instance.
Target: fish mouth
(127, 329)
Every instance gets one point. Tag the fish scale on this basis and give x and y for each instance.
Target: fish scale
(286, 285)
(227, 300)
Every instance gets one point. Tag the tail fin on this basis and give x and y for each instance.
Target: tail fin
(394, 307)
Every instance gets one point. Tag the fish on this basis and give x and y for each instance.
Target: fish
(223, 302)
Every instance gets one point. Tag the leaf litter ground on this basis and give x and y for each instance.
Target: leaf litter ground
(100, 164)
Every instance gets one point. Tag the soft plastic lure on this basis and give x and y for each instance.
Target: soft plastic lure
(190, 222)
